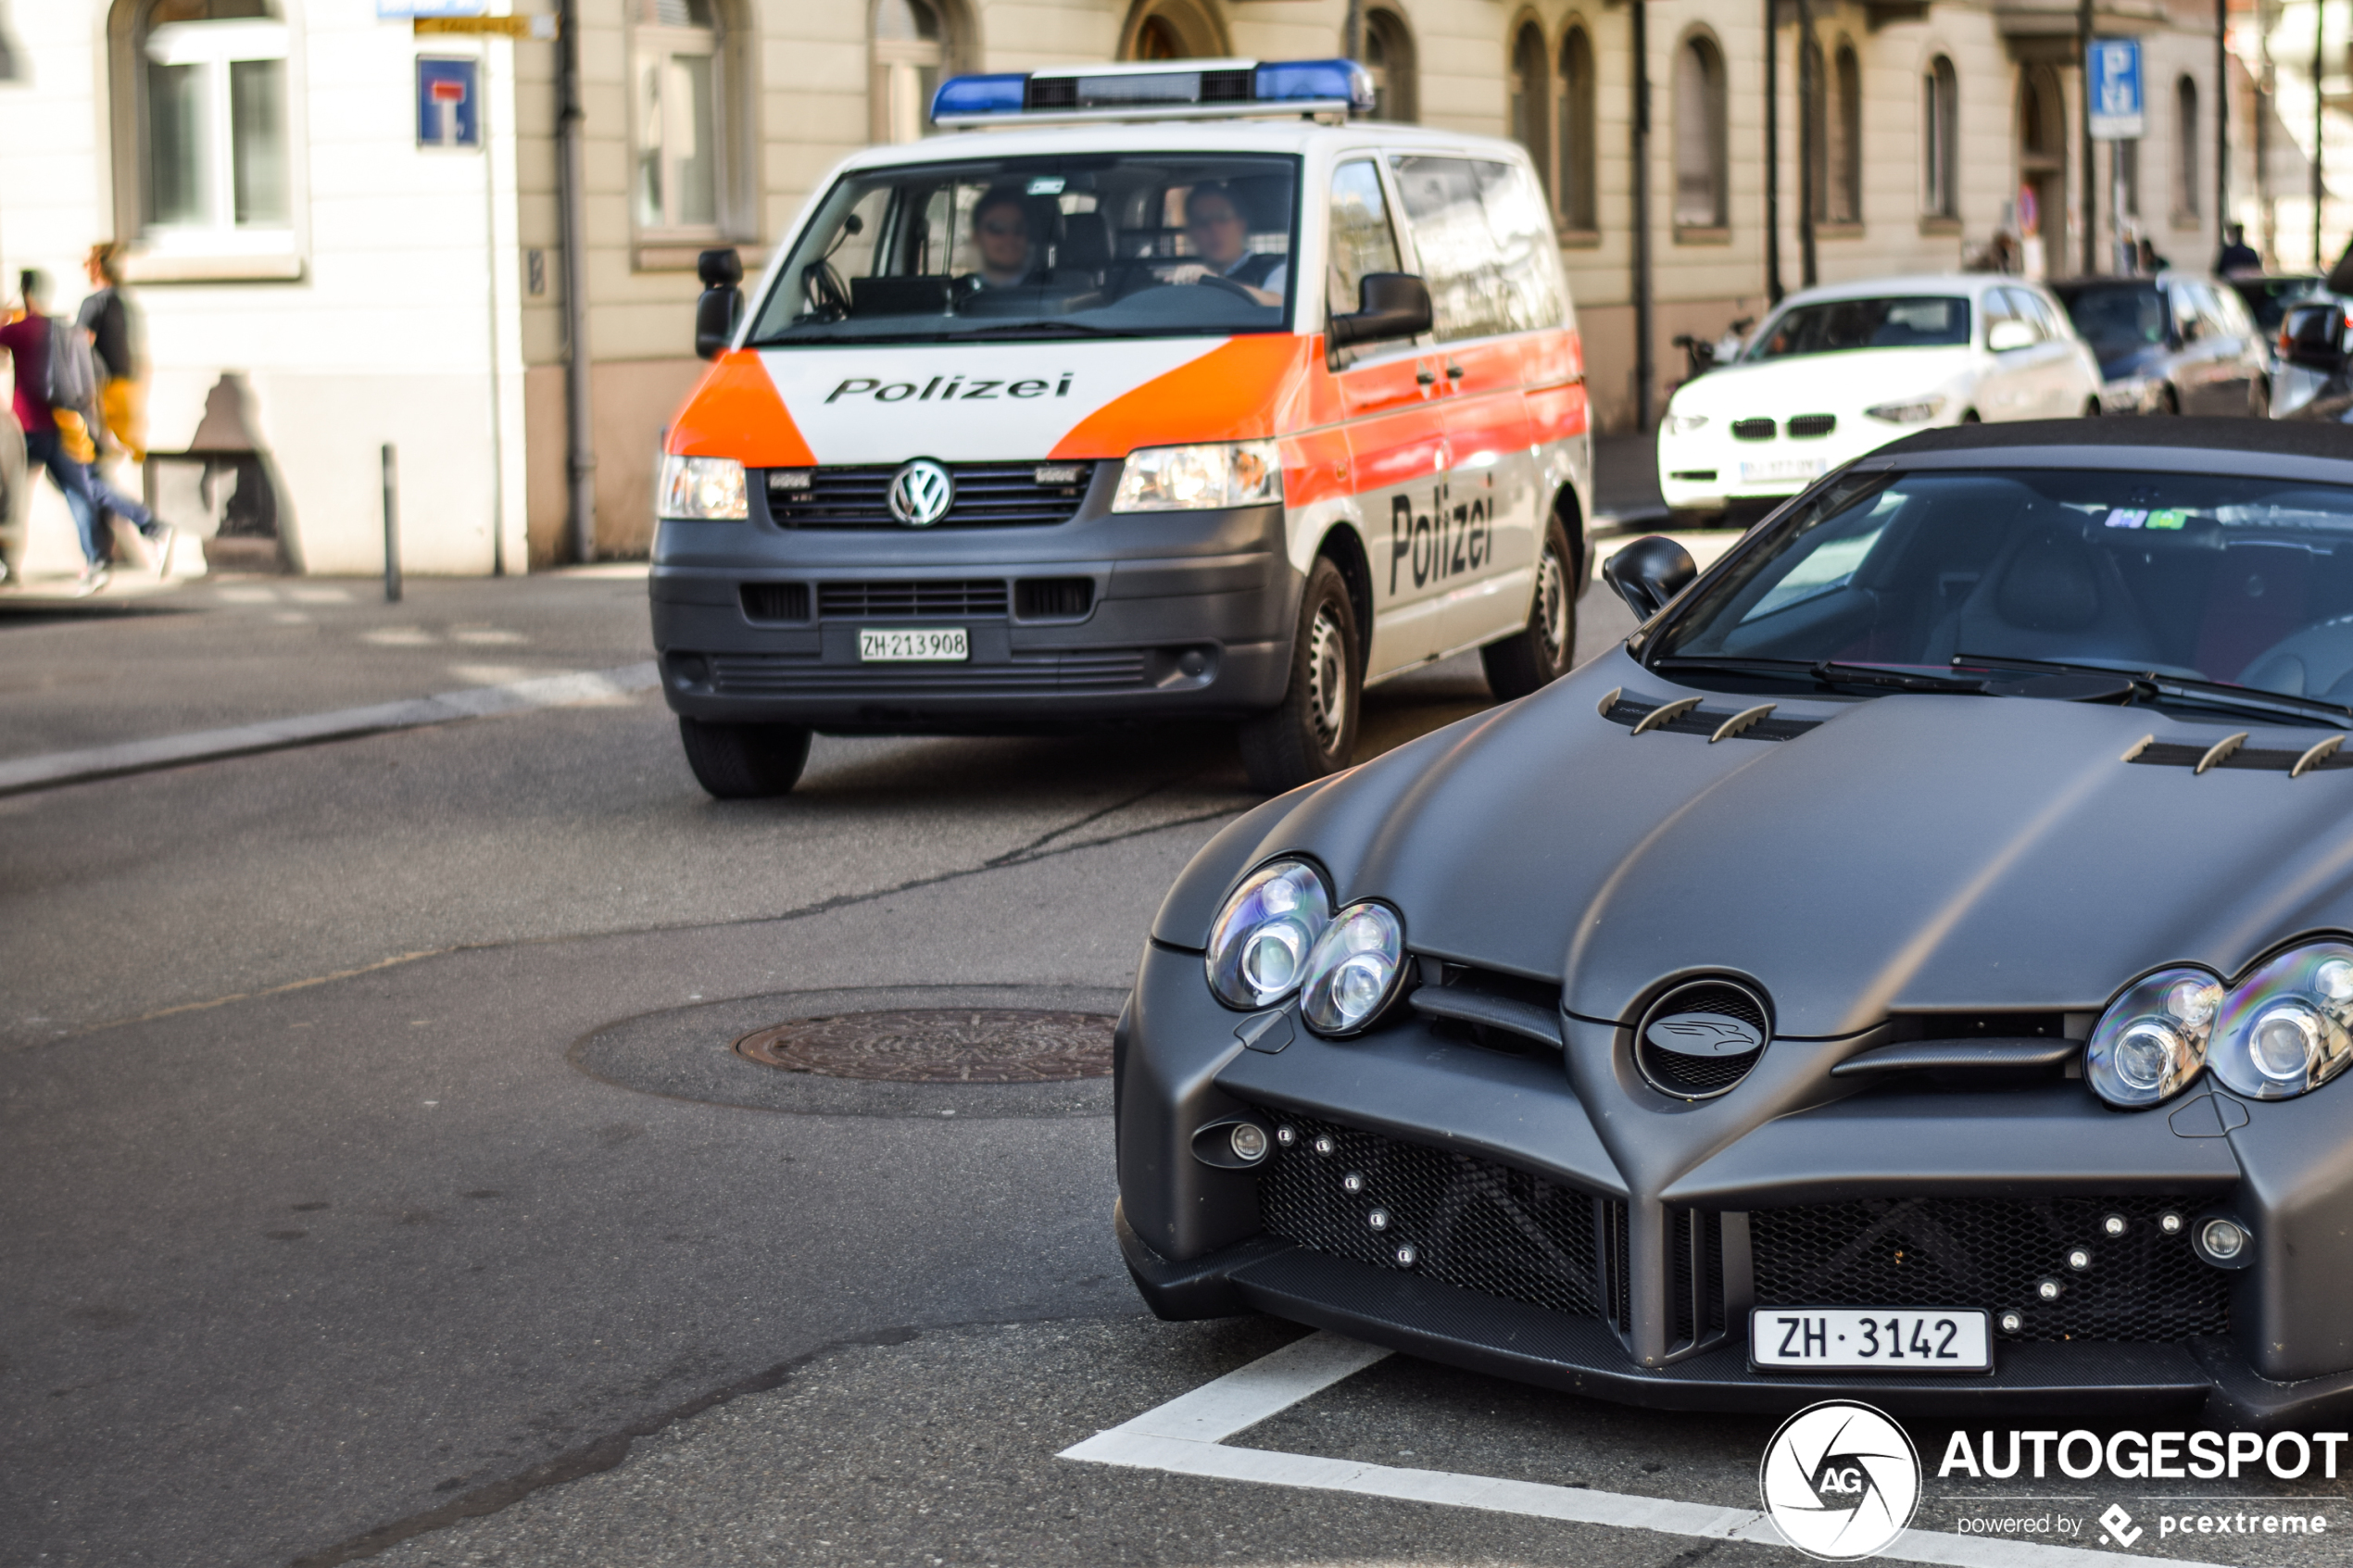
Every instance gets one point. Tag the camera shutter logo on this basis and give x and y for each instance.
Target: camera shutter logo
(1841, 1481)
(921, 493)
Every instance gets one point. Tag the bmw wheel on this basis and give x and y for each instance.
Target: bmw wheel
(1539, 654)
(744, 761)
(1314, 733)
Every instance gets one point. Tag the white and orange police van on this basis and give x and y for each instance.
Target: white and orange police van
(1186, 394)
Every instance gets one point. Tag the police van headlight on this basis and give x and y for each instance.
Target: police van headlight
(1181, 479)
(701, 489)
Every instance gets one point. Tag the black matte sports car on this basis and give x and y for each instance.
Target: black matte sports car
(1911, 967)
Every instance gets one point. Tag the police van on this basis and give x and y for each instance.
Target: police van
(1168, 390)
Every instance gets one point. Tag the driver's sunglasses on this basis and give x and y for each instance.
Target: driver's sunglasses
(1018, 230)
(1208, 219)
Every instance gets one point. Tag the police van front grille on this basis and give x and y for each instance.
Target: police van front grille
(2144, 1285)
(974, 598)
(1027, 494)
(1092, 669)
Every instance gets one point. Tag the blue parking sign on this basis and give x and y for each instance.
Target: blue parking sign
(449, 102)
(2116, 89)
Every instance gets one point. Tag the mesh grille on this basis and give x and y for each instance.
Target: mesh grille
(1699, 1077)
(1802, 425)
(980, 596)
(1053, 598)
(1751, 430)
(775, 601)
(1474, 1224)
(1107, 670)
(2143, 1286)
(987, 496)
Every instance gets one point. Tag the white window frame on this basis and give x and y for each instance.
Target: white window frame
(655, 43)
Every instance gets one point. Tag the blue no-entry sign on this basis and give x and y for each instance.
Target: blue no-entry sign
(2114, 70)
(449, 102)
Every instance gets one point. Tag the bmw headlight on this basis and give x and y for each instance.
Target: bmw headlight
(2285, 1028)
(2153, 1039)
(1179, 479)
(1258, 949)
(1909, 411)
(700, 489)
(1354, 970)
(1683, 424)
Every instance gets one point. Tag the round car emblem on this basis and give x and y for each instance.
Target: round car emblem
(921, 493)
(1702, 1034)
(1702, 1038)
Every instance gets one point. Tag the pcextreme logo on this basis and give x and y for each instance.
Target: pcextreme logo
(1841, 1481)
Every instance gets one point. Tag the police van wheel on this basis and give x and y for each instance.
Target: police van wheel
(1543, 652)
(1314, 733)
(744, 761)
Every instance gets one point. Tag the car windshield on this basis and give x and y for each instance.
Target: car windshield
(2248, 581)
(1838, 325)
(2268, 298)
(2118, 319)
(1119, 244)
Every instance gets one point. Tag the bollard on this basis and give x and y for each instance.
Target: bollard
(392, 531)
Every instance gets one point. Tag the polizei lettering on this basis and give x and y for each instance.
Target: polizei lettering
(948, 389)
(1451, 539)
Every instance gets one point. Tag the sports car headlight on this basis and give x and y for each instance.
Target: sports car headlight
(1258, 949)
(1180, 478)
(2152, 1039)
(2285, 1028)
(700, 489)
(1353, 970)
(1911, 411)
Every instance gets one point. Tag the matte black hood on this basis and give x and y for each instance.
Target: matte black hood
(1913, 852)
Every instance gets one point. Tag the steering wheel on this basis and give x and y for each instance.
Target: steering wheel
(1228, 284)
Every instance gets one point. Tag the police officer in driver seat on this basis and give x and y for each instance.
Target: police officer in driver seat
(1220, 236)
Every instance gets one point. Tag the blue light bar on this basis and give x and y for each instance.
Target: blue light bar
(979, 94)
(1283, 80)
(1160, 90)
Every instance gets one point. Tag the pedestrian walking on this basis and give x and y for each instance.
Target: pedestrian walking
(120, 430)
(56, 438)
(2237, 255)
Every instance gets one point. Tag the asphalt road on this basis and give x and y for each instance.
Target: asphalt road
(375, 1180)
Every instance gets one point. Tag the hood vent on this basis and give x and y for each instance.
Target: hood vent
(2325, 756)
(1702, 1038)
(1708, 721)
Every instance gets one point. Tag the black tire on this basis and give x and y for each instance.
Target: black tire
(2171, 403)
(1314, 733)
(2091, 408)
(1971, 417)
(744, 761)
(1542, 652)
(2259, 398)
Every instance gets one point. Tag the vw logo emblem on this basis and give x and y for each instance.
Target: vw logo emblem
(921, 493)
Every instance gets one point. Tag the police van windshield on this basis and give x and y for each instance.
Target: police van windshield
(1109, 244)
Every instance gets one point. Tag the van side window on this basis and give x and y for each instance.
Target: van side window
(1362, 240)
(1486, 247)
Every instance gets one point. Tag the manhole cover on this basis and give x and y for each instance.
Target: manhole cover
(940, 1045)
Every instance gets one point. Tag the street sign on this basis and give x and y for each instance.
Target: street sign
(541, 26)
(2116, 89)
(449, 102)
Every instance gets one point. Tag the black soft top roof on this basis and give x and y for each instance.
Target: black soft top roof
(2242, 438)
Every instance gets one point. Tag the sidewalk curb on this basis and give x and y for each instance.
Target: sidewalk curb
(27, 774)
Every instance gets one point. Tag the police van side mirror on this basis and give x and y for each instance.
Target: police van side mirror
(1390, 304)
(1648, 572)
(2313, 336)
(722, 304)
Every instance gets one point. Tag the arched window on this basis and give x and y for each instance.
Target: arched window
(1699, 135)
(911, 48)
(1531, 114)
(1846, 139)
(680, 112)
(1579, 209)
(209, 80)
(2185, 147)
(1174, 29)
(1389, 56)
(1940, 140)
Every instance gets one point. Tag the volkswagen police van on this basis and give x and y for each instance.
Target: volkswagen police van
(1168, 390)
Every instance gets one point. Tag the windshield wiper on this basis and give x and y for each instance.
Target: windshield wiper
(1829, 672)
(2149, 683)
(1043, 329)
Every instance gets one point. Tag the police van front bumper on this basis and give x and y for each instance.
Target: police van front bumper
(1104, 617)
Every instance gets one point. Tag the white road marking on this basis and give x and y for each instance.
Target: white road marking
(27, 774)
(1185, 1436)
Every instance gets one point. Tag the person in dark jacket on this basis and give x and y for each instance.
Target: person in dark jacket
(106, 316)
(2237, 255)
(48, 444)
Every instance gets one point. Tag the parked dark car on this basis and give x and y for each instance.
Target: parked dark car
(2174, 344)
(2312, 378)
(1914, 967)
(2267, 297)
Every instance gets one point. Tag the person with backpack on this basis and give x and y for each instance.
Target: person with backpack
(43, 366)
(106, 316)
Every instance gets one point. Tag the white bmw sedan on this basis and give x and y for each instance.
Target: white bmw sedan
(1841, 370)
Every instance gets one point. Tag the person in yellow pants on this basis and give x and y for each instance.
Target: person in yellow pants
(106, 316)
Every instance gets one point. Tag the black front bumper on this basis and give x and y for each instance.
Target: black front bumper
(1653, 1321)
(1187, 615)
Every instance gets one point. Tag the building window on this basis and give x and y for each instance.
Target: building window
(1389, 56)
(681, 84)
(1174, 29)
(1699, 135)
(911, 50)
(212, 104)
(2185, 153)
(1846, 148)
(1531, 114)
(1579, 209)
(1940, 140)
